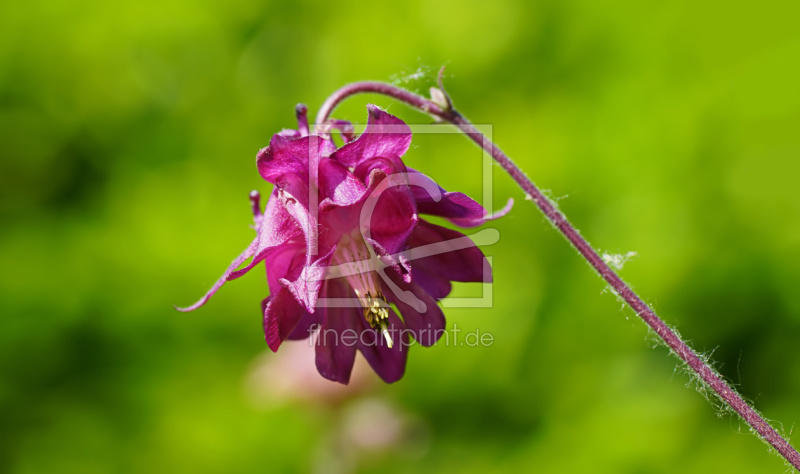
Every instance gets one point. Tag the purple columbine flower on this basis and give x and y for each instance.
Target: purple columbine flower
(342, 241)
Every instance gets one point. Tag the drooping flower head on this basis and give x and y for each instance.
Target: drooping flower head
(342, 241)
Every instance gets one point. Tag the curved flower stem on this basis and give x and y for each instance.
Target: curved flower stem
(445, 112)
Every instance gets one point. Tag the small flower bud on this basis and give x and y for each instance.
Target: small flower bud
(439, 98)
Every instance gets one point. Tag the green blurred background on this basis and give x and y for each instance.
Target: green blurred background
(128, 134)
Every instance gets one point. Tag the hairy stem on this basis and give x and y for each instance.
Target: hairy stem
(445, 112)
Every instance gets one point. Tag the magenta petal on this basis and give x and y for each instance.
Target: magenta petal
(336, 341)
(306, 221)
(471, 221)
(291, 163)
(388, 164)
(451, 206)
(327, 147)
(385, 135)
(284, 263)
(275, 227)
(458, 208)
(385, 213)
(426, 321)
(388, 363)
(447, 253)
(433, 283)
(225, 277)
(307, 286)
(391, 211)
(433, 199)
(396, 261)
(281, 315)
(287, 155)
(306, 326)
(338, 185)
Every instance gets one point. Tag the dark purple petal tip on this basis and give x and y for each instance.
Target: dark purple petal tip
(385, 135)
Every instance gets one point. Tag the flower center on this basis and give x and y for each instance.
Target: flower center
(377, 314)
(359, 267)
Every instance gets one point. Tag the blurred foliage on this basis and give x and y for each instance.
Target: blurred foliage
(128, 138)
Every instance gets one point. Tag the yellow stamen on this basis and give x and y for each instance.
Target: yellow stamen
(377, 314)
(359, 265)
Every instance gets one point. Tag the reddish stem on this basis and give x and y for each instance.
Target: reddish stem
(446, 113)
